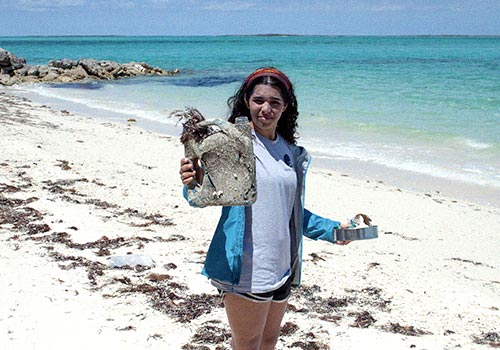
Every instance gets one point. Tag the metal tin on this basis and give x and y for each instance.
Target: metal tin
(355, 234)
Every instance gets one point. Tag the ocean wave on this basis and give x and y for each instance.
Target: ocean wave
(405, 160)
(477, 144)
(106, 107)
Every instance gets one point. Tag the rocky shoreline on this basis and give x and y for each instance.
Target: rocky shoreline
(15, 70)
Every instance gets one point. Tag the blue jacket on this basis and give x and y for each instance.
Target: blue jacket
(224, 255)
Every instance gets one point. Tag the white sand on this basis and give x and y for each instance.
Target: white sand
(435, 265)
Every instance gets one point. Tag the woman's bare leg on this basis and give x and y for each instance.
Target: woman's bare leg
(273, 325)
(254, 326)
(247, 320)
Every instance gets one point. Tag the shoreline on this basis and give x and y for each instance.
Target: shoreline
(366, 171)
(107, 189)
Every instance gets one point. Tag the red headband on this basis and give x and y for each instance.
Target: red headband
(270, 72)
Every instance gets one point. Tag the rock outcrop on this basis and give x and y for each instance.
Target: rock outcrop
(15, 70)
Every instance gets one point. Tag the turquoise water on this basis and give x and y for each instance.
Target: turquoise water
(426, 105)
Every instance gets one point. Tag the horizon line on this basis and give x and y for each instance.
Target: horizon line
(245, 35)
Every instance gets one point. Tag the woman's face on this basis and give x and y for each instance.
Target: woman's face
(266, 106)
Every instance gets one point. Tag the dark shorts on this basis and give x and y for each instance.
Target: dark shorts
(279, 295)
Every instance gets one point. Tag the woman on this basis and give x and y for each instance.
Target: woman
(254, 257)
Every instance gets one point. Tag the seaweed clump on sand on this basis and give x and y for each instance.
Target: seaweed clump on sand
(63, 187)
(490, 338)
(363, 319)
(211, 332)
(94, 268)
(327, 309)
(371, 296)
(103, 244)
(19, 216)
(310, 345)
(170, 298)
(405, 330)
(288, 328)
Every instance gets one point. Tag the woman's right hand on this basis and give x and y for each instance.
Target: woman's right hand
(187, 171)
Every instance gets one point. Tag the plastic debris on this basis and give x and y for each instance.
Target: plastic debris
(222, 155)
(132, 260)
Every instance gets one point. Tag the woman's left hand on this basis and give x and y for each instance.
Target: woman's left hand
(343, 242)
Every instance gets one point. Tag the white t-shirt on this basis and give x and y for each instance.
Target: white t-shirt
(266, 245)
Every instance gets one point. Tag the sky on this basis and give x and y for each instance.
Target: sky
(221, 17)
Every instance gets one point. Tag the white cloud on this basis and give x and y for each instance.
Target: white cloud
(45, 5)
(229, 5)
(387, 8)
(50, 3)
(159, 1)
(365, 6)
(123, 4)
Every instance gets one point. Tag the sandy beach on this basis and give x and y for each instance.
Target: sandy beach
(77, 191)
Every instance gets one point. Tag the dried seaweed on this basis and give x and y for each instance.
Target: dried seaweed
(333, 309)
(190, 117)
(15, 212)
(94, 268)
(316, 257)
(407, 238)
(325, 307)
(151, 219)
(330, 318)
(194, 347)
(490, 338)
(174, 238)
(294, 308)
(62, 187)
(170, 266)
(371, 296)
(288, 329)
(363, 319)
(405, 330)
(125, 280)
(476, 263)
(141, 288)
(64, 182)
(37, 228)
(338, 303)
(8, 188)
(56, 237)
(171, 299)
(208, 333)
(193, 306)
(310, 345)
(309, 291)
(63, 164)
(103, 252)
(157, 277)
(100, 204)
(104, 243)
(156, 219)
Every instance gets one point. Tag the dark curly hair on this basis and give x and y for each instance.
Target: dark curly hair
(287, 125)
